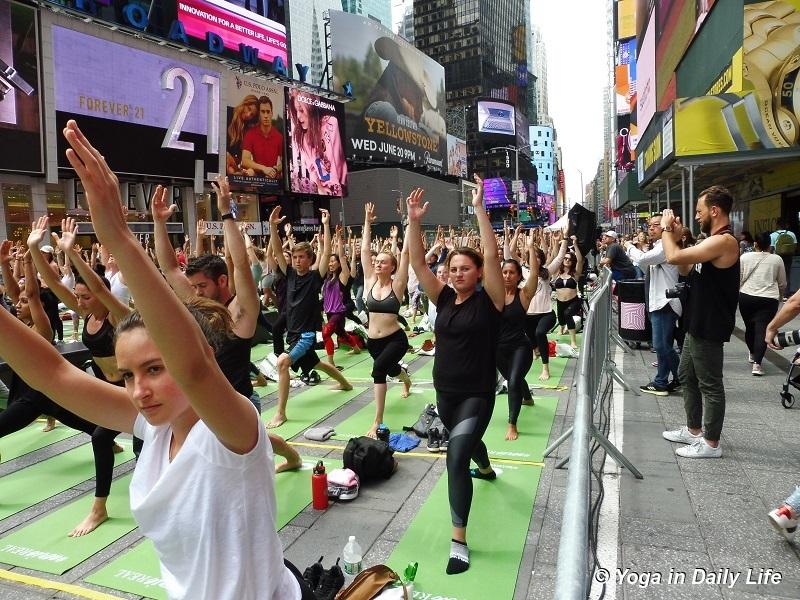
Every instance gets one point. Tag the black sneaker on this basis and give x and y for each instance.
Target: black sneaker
(652, 388)
(313, 378)
(330, 583)
(445, 441)
(673, 386)
(434, 440)
(313, 574)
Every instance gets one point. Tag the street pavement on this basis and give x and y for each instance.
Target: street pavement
(686, 517)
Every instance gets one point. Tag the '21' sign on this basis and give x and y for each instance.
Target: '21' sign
(168, 82)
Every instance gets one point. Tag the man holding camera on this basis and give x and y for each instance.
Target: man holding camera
(790, 309)
(713, 269)
(664, 311)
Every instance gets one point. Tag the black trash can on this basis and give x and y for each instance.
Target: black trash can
(634, 326)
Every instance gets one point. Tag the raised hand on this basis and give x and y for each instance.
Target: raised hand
(275, 216)
(5, 251)
(201, 228)
(223, 192)
(393, 232)
(38, 232)
(369, 212)
(100, 184)
(477, 193)
(287, 228)
(69, 229)
(158, 205)
(414, 207)
(326, 216)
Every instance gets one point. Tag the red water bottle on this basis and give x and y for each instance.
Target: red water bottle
(319, 487)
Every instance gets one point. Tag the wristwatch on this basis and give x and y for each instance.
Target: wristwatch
(668, 228)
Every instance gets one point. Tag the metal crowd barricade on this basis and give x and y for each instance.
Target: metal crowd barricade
(594, 365)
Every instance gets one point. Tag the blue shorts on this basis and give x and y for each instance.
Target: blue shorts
(301, 351)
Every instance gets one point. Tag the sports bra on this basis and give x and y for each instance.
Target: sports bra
(569, 284)
(100, 344)
(389, 305)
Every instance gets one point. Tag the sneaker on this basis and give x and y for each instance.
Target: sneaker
(330, 583)
(343, 492)
(445, 441)
(313, 378)
(654, 364)
(757, 370)
(682, 436)
(673, 386)
(431, 352)
(781, 519)
(700, 449)
(313, 574)
(434, 441)
(652, 388)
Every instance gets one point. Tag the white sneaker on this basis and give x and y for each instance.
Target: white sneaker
(757, 370)
(682, 436)
(700, 449)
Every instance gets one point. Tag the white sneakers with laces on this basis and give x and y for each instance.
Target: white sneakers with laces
(681, 436)
(757, 370)
(699, 449)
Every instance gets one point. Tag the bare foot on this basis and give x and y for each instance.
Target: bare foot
(574, 346)
(354, 350)
(292, 463)
(276, 421)
(512, 433)
(50, 425)
(90, 523)
(342, 387)
(373, 431)
(117, 448)
(406, 389)
(545, 373)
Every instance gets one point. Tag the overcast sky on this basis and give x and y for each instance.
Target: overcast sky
(576, 37)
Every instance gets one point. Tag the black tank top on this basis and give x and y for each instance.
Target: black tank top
(713, 297)
(233, 359)
(512, 325)
(560, 283)
(100, 344)
(389, 305)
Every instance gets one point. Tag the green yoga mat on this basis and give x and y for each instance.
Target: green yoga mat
(50, 477)
(32, 438)
(138, 571)
(45, 546)
(309, 407)
(534, 423)
(498, 526)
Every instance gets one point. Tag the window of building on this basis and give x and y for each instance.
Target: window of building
(17, 199)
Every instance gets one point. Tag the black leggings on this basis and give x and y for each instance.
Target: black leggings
(567, 310)
(25, 410)
(757, 312)
(466, 418)
(514, 362)
(387, 352)
(537, 326)
(278, 329)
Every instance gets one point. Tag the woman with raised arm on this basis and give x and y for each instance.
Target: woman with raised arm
(335, 292)
(514, 349)
(387, 343)
(467, 323)
(541, 318)
(101, 312)
(203, 489)
(568, 305)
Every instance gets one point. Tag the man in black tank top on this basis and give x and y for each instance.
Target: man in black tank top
(713, 269)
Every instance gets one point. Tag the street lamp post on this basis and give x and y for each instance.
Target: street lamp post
(583, 189)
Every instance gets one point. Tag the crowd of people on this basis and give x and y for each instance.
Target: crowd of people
(170, 333)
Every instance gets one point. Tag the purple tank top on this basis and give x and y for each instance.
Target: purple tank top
(332, 301)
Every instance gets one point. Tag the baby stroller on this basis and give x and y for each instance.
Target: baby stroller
(793, 379)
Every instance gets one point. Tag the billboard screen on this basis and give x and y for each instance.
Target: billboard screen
(398, 111)
(237, 25)
(496, 118)
(626, 19)
(625, 76)
(456, 156)
(497, 192)
(20, 122)
(315, 134)
(159, 126)
(646, 78)
(255, 130)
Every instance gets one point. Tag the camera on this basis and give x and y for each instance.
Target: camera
(787, 338)
(679, 291)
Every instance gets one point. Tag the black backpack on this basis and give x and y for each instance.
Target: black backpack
(369, 458)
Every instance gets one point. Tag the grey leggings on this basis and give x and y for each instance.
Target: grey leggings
(466, 418)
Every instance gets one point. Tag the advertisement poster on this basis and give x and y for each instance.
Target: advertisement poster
(496, 118)
(147, 113)
(646, 78)
(20, 122)
(456, 156)
(315, 133)
(398, 114)
(255, 134)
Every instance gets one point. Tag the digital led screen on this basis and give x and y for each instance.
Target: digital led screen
(456, 156)
(20, 120)
(497, 118)
(398, 109)
(151, 115)
(314, 133)
(255, 134)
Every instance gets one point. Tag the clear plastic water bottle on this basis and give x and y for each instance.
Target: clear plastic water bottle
(351, 557)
